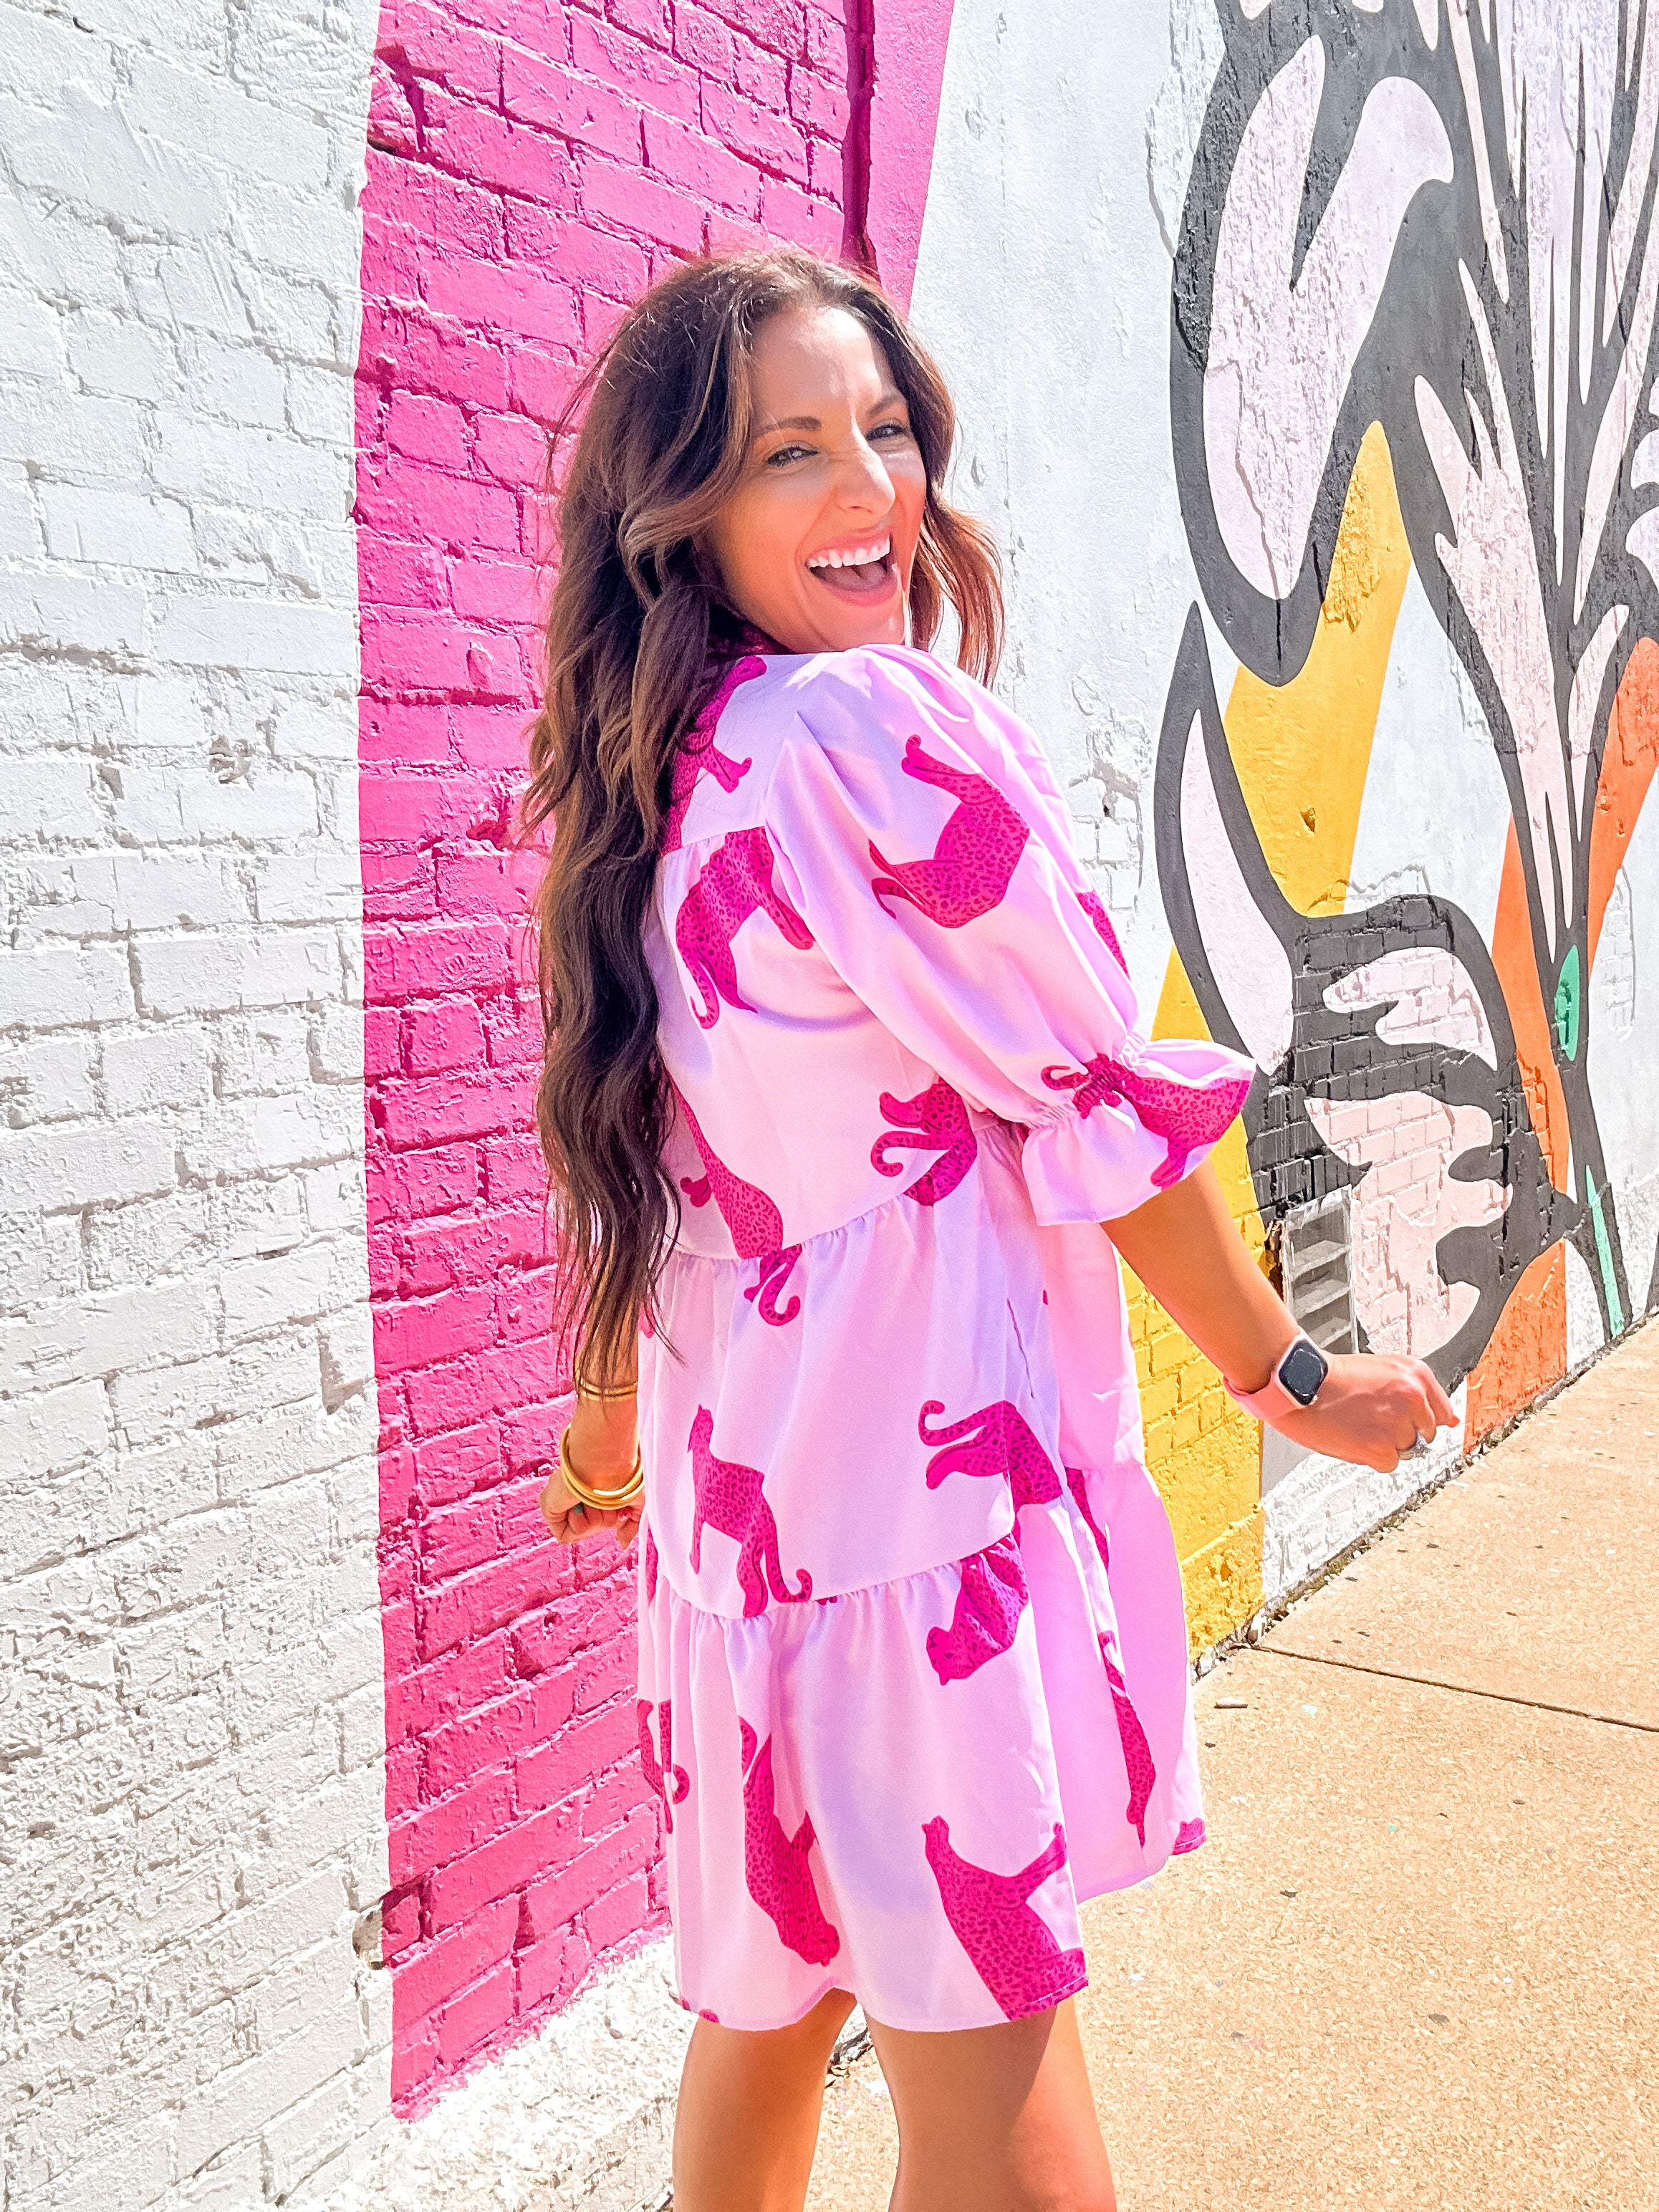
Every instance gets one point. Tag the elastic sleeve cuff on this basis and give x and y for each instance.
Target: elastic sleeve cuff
(1137, 1126)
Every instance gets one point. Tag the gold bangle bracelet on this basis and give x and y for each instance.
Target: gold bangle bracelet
(605, 1391)
(601, 1501)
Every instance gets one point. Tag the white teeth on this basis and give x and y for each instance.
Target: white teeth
(855, 559)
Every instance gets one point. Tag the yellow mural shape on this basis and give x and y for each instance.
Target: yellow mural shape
(1302, 750)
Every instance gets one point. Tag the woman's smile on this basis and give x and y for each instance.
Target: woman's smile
(861, 572)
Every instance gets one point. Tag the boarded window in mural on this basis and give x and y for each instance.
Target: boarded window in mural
(1413, 325)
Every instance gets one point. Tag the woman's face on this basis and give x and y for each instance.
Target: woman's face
(815, 545)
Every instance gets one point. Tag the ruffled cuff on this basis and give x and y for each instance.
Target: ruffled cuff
(1136, 1126)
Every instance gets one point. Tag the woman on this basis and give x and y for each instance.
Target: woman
(844, 1077)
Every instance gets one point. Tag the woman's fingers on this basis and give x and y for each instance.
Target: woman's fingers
(569, 1521)
(1445, 1412)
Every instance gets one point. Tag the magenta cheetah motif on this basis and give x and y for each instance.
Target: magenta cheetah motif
(1013, 1947)
(1077, 1483)
(730, 1500)
(1186, 1116)
(698, 755)
(669, 1781)
(936, 1121)
(1090, 901)
(975, 859)
(1137, 1751)
(989, 1602)
(650, 1566)
(774, 1272)
(735, 883)
(756, 1224)
(1189, 1838)
(996, 1440)
(779, 1880)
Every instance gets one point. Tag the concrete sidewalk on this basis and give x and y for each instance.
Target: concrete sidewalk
(1418, 1963)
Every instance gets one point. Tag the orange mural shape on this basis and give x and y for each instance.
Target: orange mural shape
(1629, 762)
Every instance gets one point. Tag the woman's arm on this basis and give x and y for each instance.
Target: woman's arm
(1185, 1248)
(604, 1438)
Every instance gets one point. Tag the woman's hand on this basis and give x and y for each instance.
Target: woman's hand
(1372, 1408)
(604, 1438)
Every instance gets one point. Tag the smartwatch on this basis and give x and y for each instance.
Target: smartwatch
(1292, 1388)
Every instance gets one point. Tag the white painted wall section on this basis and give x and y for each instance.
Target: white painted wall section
(192, 1794)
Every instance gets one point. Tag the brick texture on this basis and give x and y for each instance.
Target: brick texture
(194, 1741)
(529, 171)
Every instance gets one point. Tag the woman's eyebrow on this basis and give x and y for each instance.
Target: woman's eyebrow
(790, 423)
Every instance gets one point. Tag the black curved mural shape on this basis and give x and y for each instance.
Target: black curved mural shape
(1484, 452)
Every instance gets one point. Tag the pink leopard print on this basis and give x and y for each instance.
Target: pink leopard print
(756, 1224)
(1191, 1836)
(977, 851)
(735, 883)
(1186, 1116)
(650, 1566)
(730, 1500)
(989, 1602)
(668, 1781)
(996, 1440)
(1090, 901)
(775, 1865)
(698, 755)
(1077, 1483)
(937, 1120)
(1013, 1947)
(1137, 1751)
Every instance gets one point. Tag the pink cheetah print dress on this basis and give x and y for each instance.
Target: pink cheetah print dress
(906, 1591)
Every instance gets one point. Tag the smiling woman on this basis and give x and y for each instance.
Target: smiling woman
(913, 1667)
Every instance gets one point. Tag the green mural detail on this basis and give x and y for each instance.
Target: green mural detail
(1567, 999)
(1604, 1256)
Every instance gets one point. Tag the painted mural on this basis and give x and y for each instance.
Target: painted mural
(1413, 329)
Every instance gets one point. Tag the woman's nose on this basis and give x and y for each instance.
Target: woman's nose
(863, 482)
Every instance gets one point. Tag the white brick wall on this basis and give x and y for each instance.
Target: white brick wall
(191, 1798)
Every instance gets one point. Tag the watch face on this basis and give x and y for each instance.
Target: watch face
(1301, 1370)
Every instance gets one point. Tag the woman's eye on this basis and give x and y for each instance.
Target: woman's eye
(890, 430)
(787, 453)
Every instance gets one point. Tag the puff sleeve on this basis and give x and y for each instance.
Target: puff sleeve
(926, 845)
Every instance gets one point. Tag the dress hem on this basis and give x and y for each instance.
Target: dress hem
(956, 2027)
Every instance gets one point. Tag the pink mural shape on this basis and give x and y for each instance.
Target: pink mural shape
(736, 882)
(1190, 1837)
(698, 755)
(730, 1500)
(755, 1222)
(1186, 1116)
(897, 136)
(1090, 901)
(481, 263)
(1077, 1483)
(996, 1440)
(934, 1121)
(1137, 1751)
(670, 1783)
(776, 1864)
(1013, 1947)
(978, 849)
(989, 1602)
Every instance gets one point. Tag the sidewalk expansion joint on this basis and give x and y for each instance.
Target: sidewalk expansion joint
(1462, 1689)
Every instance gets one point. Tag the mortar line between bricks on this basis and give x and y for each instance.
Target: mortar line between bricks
(1463, 1689)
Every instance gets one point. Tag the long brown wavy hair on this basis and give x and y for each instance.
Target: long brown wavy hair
(638, 629)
